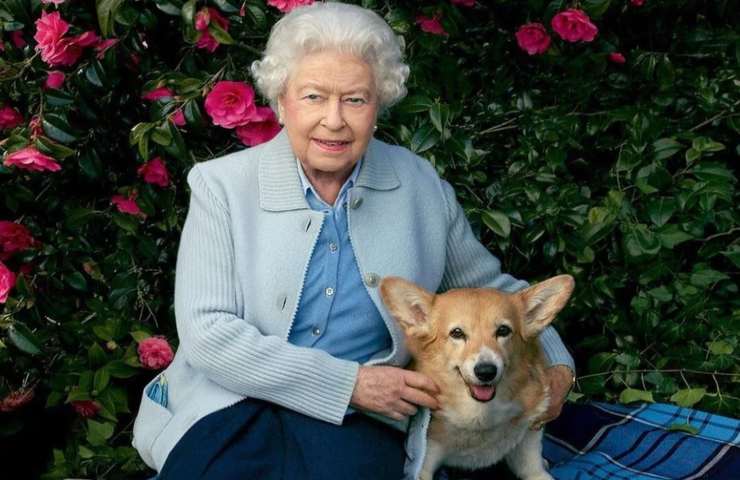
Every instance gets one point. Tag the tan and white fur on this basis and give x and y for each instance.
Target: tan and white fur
(480, 346)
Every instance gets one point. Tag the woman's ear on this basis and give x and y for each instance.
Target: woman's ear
(280, 110)
(409, 304)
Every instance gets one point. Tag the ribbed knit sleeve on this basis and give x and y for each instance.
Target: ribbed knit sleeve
(470, 264)
(228, 349)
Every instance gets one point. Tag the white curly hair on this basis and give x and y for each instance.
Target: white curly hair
(333, 26)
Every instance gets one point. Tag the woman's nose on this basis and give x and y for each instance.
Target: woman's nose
(333, 119)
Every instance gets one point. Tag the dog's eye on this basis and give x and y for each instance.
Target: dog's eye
(457, 333)
(503, 331)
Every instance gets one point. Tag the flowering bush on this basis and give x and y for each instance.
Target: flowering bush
(596, 138)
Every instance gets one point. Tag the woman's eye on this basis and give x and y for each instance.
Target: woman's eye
(312, 96)
(457, 333)
(503, 331)
(356, 100)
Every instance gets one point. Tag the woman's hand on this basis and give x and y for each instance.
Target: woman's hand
(393, 392)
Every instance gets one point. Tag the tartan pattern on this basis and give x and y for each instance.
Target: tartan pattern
(618, 442)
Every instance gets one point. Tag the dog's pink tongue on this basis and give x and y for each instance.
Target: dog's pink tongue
(482, 393)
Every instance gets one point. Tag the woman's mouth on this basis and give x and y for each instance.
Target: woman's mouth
(332, 145)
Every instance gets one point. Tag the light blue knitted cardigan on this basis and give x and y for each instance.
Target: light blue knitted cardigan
(242, 259)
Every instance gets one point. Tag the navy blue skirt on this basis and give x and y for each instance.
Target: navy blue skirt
(254, 439)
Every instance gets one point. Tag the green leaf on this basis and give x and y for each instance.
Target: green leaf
(77, 281)
(162, 135)
(99, 432)
(106, 10)
(661, 210)
(688, 397)
(440, 116)
(58, 98)
(57, 151)
(661, 294)
(672, 235)
(128, 223)
(24, 339)
(140, 335)
(630, 395)
(168, 7)
(720, 347)
(119, 369)
(95, 355)
(188, 19)
(424, 138)
(642, 241)
(498, 222)
(595, 8)
(57, 128)
(704, 277)
(221, 35)
(100, 380)
(414, 104)
(683, 427)
(733, 254)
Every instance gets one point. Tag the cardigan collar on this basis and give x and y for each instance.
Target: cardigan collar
(280, 183)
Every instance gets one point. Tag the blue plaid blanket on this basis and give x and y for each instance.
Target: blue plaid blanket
(644, 442)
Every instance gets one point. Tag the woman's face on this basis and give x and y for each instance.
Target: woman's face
(329, 110)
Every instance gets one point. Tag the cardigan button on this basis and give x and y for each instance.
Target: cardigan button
(356, 202)
(372, 279)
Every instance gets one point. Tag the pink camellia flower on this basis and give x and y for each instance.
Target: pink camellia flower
(178, 118)
(55, 79)
(127, 204)
(231, 104)
(9, 118)
(204, 18)
(637, 3)
(50, 28)
(7, 282)
(287, 5)
(431, 25)
(573, 25)
(32, 160)
(17, 38)
(262, 128)
(103, 46)
(155, 353)
(464, 3)
(533, 38)
(616, 57)
(17, 399)
(14, 237)
(86, 408)
(157, 93)
(55, 48)
(155, 172)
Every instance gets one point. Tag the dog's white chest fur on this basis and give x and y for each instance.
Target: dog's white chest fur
(479, 435)
(482, 435)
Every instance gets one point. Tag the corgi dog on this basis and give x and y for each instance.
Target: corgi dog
(480, 346)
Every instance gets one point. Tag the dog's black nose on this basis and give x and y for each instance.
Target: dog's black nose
(485, 371)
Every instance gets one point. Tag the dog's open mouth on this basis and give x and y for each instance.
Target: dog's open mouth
(482, 393)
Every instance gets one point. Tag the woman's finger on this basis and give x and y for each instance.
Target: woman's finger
(420, 381)
(419, 397)
(406, 408)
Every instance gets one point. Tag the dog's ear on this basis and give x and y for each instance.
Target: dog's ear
(409, 304)
(543, 301)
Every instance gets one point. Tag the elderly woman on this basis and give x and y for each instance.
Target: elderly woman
(289, 366)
